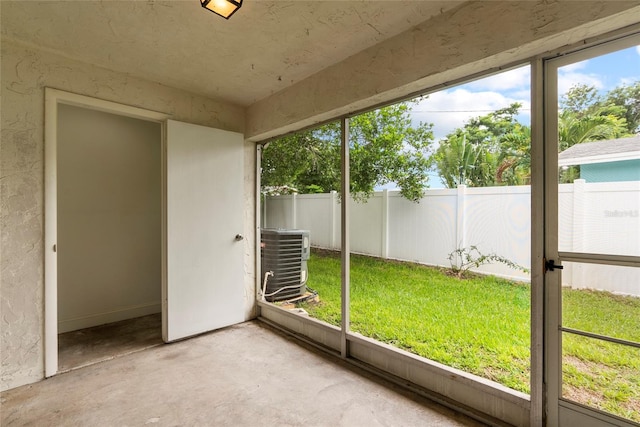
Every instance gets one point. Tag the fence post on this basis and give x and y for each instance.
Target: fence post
(333, 199)
(578, 225)
(385, 224)
(461, 238)
(294, 211)
(263, 220)
(579, 202)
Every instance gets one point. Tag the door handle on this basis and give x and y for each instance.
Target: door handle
(550, 265)
(239, 237)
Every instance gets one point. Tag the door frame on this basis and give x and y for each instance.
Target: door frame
(557, 408)
(54, 97)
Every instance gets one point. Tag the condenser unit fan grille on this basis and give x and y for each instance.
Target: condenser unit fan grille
(284, 252)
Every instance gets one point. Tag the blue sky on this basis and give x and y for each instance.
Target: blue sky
(451, 108)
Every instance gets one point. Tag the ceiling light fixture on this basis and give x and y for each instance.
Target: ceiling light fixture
(224, 8)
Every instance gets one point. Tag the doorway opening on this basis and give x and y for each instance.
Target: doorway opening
(104, 233)
(135, 226)
(109, 248)
(592, 224)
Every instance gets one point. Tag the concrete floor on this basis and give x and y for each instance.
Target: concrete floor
(245, 375)
(91, 345)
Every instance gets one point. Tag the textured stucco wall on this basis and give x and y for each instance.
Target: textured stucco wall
(472, 38)
(25, 73)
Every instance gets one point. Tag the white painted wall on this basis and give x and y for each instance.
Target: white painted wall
(109, 218)
(25, 72)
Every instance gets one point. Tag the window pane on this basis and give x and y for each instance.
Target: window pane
(602, 299)
(435, 275)
(301, 222)
(601, 374)
(599, 155)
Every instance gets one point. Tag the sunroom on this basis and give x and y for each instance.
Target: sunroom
(132, 141)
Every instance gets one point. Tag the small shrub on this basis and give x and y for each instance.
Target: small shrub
(464, 259)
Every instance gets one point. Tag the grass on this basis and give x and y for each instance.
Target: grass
(597, 373)
(481, 325)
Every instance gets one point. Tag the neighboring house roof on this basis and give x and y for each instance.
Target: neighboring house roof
(612, 150)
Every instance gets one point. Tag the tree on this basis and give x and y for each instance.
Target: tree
(474, 154)
(304, 162)
(495, 149)
(575, 128)
(627, 97)
(580, 99)
(463, 162)
(384, 147)
(586, 115)
(514, 166)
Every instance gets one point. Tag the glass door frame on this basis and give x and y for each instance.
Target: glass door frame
(560, 411)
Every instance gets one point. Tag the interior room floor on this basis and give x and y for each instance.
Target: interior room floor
(91, 345)
(245, 375)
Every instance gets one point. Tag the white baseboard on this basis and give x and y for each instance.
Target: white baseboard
(108, 317)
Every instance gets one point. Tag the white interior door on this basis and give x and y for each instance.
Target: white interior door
(203, 286)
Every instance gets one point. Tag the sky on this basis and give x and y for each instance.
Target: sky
(451, 108)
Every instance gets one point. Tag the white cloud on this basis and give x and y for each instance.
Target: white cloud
(638, 49)
(575, 66)
(517, 78)
(450, 109)
(524, 95)
(628, 81)
(566, 80)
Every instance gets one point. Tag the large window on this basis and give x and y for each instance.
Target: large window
(440, 232)
(445, 276)
(439, 224)
(301, 221)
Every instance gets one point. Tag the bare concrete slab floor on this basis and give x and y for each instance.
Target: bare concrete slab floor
(91, 345)
(245, 375)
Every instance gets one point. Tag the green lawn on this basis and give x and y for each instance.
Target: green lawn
(481, 325)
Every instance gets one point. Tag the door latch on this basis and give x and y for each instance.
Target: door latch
(550, 265)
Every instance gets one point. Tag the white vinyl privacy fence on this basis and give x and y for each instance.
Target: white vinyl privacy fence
(594, 218)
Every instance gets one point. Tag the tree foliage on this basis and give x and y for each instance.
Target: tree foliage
(496, 150)
(384, 147)
(622, 102)
(628, 98)
(305, 162)
(487, 150)
(587, 116)
(514, 167)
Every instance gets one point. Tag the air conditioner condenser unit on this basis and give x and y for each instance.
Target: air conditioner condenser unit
(284, 255)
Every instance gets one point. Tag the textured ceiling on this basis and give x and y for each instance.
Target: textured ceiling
(265, 47)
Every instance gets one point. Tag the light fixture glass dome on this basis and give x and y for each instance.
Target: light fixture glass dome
(224, 8)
